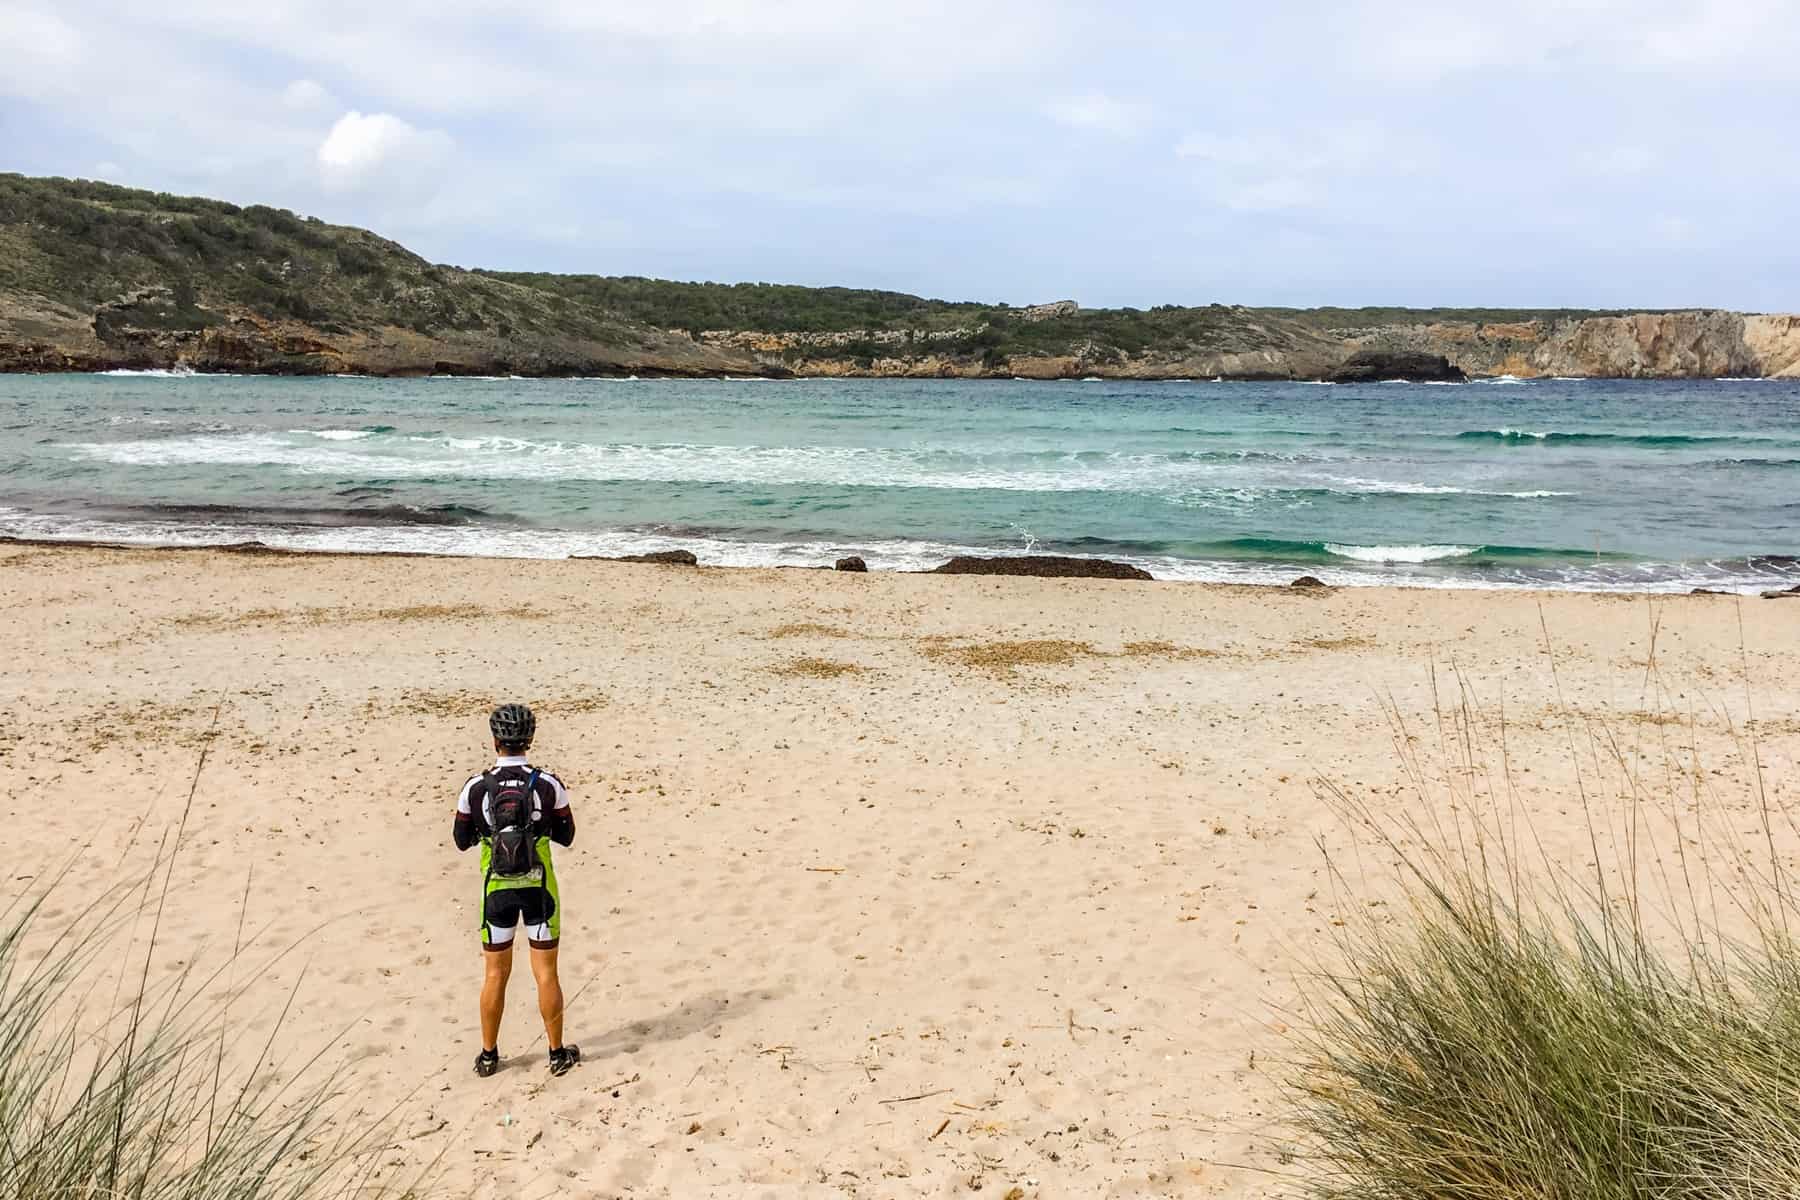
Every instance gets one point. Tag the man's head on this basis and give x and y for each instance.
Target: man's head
(513, 727)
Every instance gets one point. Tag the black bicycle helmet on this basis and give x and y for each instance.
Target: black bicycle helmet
(513, 725)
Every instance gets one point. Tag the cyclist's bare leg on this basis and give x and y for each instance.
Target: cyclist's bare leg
(496, 970)
(550, 994)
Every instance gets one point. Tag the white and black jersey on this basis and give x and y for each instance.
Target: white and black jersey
(474, 819)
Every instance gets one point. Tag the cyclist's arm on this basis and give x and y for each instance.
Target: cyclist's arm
(467, 830)
(562, 817)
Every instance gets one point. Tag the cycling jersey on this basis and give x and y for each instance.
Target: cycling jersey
(534, 898)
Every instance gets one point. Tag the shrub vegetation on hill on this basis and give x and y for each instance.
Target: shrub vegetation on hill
(993, 331)
(81, 245)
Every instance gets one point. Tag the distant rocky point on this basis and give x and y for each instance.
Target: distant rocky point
(97, 277)
(1406, 366)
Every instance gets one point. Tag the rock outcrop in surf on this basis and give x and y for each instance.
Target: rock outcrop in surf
(1408, 366)
(1044, 566)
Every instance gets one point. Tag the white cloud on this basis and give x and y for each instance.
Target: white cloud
(1269, 195)
(41, 49)
(305, 95)
(1426, 40)
(1620, 160)
(1100, 113)
(1268, 170)
(1343, 147)
(379, 150)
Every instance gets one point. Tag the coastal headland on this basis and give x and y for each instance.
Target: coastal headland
(95, 277)
(884, 884)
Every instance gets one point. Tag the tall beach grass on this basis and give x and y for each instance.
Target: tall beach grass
(1617, 1017)
(115, 1086)
(149, 1091)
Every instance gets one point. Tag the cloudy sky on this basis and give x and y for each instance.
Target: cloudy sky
(1535, 152)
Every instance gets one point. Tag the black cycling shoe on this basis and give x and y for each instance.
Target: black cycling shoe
(487, 1062)
(562, 1059)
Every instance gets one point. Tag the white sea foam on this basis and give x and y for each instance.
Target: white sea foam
(336, 435)
(153, 373)
(1399, 554)
(359, 453)
(1363, 566)
(1502, 381)
(1405, 488)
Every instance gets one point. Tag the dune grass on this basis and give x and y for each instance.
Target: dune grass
(1512, 1023)
(147, 1094)
(122, 1075)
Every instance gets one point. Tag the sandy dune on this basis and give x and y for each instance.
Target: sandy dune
(884, 885)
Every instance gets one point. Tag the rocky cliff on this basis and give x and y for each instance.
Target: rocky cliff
(94, 277)
(1673, 345)
(1699, 345)
(35, 336)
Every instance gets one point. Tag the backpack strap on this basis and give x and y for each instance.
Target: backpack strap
(487, 777)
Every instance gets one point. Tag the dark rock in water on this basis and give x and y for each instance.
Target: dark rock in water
(1378, 366)
(668, 558)
(1046, 566)
(853, 563)
(1708, 592)
(249, 548)
(1309, 581)
(1792, 593)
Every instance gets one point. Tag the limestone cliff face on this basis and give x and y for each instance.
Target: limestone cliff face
(1775, 341)
(137, 331)
(1675, 345)
(1703, 344)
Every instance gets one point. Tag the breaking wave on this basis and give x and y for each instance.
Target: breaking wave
(375, 452)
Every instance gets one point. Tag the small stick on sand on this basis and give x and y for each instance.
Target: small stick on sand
(828, 870)
(920, 1096)
(943, 1126)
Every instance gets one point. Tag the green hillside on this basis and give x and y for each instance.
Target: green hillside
(82, 245)
(93, 275)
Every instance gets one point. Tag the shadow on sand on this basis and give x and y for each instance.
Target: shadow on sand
(690, 1017)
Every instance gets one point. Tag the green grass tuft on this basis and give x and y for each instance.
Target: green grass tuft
(153, 1094)
(1506, 1027)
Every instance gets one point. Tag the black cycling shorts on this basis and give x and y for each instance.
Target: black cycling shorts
(505, 908)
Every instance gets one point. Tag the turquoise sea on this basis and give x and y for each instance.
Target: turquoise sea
(1549, 483)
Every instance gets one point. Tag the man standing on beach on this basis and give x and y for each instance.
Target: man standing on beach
(515, 811)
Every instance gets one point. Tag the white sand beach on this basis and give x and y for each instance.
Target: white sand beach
(883, 885)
